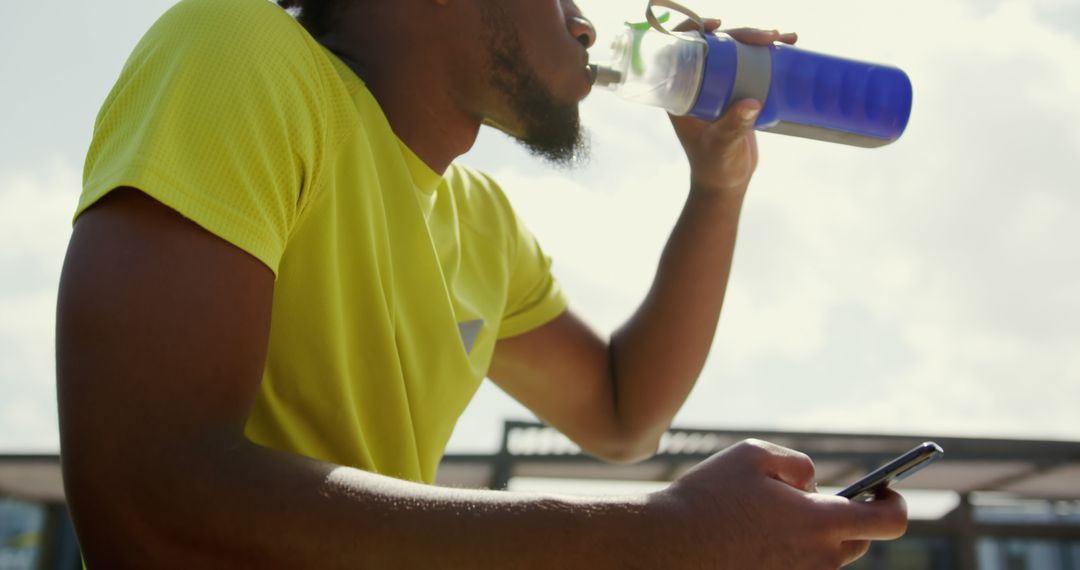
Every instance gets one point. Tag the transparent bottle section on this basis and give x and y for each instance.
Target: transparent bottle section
(656, 69)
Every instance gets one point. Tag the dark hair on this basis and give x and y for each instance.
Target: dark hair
(315, 15)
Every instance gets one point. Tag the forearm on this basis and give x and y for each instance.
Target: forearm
(657, 355)
(251, 506)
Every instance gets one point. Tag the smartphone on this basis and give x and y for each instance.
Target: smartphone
(896, 470)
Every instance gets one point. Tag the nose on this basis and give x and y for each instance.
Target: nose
(582, 30)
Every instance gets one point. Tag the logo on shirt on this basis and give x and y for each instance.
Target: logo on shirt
(469, 331)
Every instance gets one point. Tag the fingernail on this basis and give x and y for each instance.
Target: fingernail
(749, 114)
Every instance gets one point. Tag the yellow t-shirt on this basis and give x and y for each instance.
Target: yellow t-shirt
(393, 283)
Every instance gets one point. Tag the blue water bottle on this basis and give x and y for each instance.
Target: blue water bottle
(804, 94)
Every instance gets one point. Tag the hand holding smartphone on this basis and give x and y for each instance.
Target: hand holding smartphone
(898, 469)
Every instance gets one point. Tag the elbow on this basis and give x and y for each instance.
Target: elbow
(624, 449)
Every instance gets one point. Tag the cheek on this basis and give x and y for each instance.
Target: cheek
(544, 23)
(556, 48)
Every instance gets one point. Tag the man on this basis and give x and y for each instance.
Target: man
(280, 293)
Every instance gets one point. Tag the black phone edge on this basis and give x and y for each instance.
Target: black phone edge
(896, 470)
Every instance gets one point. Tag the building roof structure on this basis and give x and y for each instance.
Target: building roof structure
(1038, 469)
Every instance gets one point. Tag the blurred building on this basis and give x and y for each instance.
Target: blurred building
(989, 504)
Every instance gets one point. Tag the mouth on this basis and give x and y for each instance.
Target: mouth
(588, 70)
(590, 79)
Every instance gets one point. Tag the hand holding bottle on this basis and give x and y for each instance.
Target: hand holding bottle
(723, 154)
(694, 71)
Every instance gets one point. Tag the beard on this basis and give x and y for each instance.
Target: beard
(549, 129)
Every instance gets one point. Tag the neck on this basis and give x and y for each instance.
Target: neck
(415, 91)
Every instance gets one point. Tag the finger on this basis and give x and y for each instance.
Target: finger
(884, 518)
(754, 36)
(710, 25)
(788, 38)
(786, 465)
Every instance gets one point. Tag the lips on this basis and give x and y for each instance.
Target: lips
(589, 79)
(587, 74)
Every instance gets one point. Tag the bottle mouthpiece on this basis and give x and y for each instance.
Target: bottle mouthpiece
(602, 75)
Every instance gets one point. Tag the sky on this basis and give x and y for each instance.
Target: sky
(925, 287)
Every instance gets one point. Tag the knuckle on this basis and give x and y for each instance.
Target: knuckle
(749, 445)
(755, 448)
(749, 451)
(804, 459)
(753, 442)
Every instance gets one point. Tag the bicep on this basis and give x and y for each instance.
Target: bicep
(161, 334)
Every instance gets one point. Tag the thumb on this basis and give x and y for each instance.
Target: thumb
(742, 114)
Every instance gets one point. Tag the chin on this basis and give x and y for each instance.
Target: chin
(576, 90)
(517, 133)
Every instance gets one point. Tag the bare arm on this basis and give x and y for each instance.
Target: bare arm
(162, 333)
(617, 398)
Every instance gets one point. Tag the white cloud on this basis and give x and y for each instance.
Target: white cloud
(35, 214)
(958, 241)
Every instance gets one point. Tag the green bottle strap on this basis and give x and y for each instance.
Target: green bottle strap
(638, 29)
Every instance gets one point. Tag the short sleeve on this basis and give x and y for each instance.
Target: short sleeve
(534, 296)
(218, 115)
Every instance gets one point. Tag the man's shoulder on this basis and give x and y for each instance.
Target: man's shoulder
(220, 33)
(244, 18)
